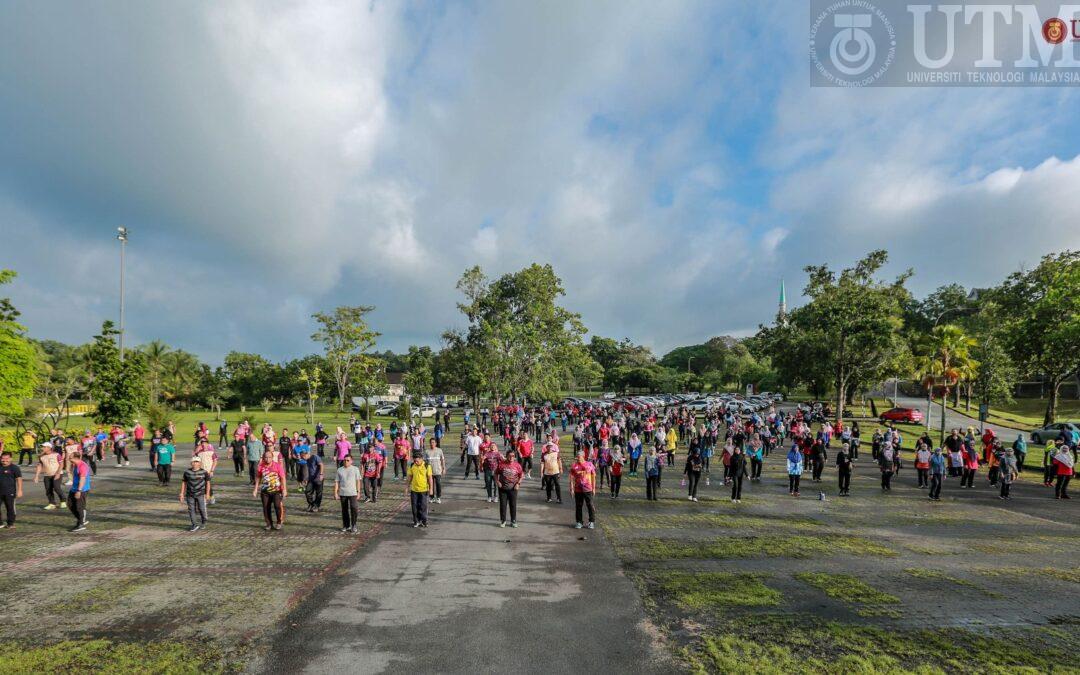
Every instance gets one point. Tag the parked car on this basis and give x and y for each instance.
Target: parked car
(1051, 432)
(388, 409)
(912, 415)
(424, 411)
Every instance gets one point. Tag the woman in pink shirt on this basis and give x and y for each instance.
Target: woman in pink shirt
(271, 488)
(342, 447)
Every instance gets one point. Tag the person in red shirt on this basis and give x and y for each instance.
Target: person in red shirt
(271, 488)
(371, 467)
(525, 450)
(401, 455)
(509, 477)
(582, 486)
(490, 460)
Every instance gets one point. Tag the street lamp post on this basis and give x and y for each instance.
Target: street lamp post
(122, 236)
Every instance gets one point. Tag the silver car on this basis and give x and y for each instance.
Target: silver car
(1053, 431)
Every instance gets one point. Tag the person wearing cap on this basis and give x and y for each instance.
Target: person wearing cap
(313, 479)
(194, 490)
(51, 470)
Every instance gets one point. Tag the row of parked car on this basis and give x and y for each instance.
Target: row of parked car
(693, 400)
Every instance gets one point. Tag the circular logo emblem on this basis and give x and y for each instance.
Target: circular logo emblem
(852, 43)
(1054, 30)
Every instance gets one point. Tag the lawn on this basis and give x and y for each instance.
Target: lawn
(1025, 413)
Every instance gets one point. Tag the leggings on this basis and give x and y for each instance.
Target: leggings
(349, 512)
(52, 490)
(400, 462)
(273, 507)
(968, 479)
(1005, 489)
(692, 479)
(583, 499)
(153, 459)
(755, 468)
(793, 482)
(705, 463)
(507, 498)
(28, 453)
(886, 480)
(819, 466)
(121, 454)
(633, 464)
(238, 464)
(526, 464)
(604, 472)
(616, 484)
(652, 487)
(1061, 486)
(551, 484)
(845, 480)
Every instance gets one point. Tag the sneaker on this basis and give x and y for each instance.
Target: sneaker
(63, 505)
(423, 525)
(558, 501)
(548, 501)
(513, 524)
(416, 524)
(592, 526)
(689, 498)
(127, 463)
(577, 526)
(346, 529)
(695, 499)
(50, 507)
(277, 526)
(502, 524)
(78, 528)
(213, 500)
(352, 530)
(3, 525)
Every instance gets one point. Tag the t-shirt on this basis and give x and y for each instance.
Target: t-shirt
(271, 477)
(346, 479)
(525, 447)
(50, 464)
(583, 474)
(401, 448)
(492, 458)
(550, 463)
(509, 474)
(209, 460)
(435, 459)
(472, 445)
(371, 462)
(9, 476)
(419, 477)
(195, 482)
(165, 453)
(80, 470)
(341, 449)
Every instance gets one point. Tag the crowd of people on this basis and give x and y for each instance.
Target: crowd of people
(607, 446)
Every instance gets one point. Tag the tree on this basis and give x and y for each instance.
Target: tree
(312, 380)
(249, 376)
(118, 387)
(368, 379)
(156, 353)
(847, 332)
(213, 388)
(346, 339)
(418, 380)
(941, 357)
(18, 358)
(995, 372)
(1041, 311)
(528, 344)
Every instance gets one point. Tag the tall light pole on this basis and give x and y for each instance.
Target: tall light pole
(122, 235)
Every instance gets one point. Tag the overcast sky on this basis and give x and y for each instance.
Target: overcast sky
(273, 159)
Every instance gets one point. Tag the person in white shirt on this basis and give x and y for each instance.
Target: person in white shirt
(472, 453)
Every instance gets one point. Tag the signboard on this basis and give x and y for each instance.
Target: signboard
(984, 410)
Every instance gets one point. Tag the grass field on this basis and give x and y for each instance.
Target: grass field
(1025, 413)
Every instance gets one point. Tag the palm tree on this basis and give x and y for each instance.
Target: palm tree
(156, 352)
(943, 357)
(181, 371)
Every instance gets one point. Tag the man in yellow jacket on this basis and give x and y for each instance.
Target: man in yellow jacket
(419, 487)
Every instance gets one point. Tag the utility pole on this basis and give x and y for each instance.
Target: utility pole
(122, 235)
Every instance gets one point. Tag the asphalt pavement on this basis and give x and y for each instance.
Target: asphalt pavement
(955, 420)
(466, 596)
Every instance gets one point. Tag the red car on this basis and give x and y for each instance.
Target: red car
(913, 415)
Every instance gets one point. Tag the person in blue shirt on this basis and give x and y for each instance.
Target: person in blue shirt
(794, 469)
(937, 474)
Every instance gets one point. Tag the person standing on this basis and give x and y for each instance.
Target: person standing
(26, 446)
(1064, 461)
(437, 461)
(1019, 447)
(271, 489)
(971, 465)
(886, 463)
(1006, 471)
(794, 469)
(10, 487)
(843, 470)
(51, 471)
(582, 486)
(491, 460)
(419, 486)
(738, 473)
(472, 453)
(80, 489)
(253, 450)
(313, 484)
(223, 433)
(692, 471)
(551, 469)
(194, 490)
(346, 492)
(208, 456)
(937, 473)
(922, 464)
(237, 450)
(652, 475)
(165, 453)
(618, 461)
(372, 463)
(509, 478)
(525, 451)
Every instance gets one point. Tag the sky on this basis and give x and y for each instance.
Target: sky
(669, 159)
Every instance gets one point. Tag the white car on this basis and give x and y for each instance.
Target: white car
(386, 409)
(424, 411)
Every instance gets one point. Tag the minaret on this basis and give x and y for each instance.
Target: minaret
(782, 314)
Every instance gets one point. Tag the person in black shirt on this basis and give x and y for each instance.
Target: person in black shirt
(843, 470)
(313, 485)
(10, 487)
(738, 472)
(194, 489)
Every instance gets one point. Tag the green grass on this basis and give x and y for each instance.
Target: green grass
(783, 645)
(847, 588)
(1032, 573)
(1026, 413)
(938, 575)
(110, 657)
(715, 590)
(710, 520)
(774, 546)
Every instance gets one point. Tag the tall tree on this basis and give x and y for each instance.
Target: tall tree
(156, 353)
(1041, 309)
(118, 387)
(942, 357)
(418, 380)
(18, 358)
(346, 339)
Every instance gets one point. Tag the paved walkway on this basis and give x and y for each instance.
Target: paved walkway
(465, 595)
(955, 420)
